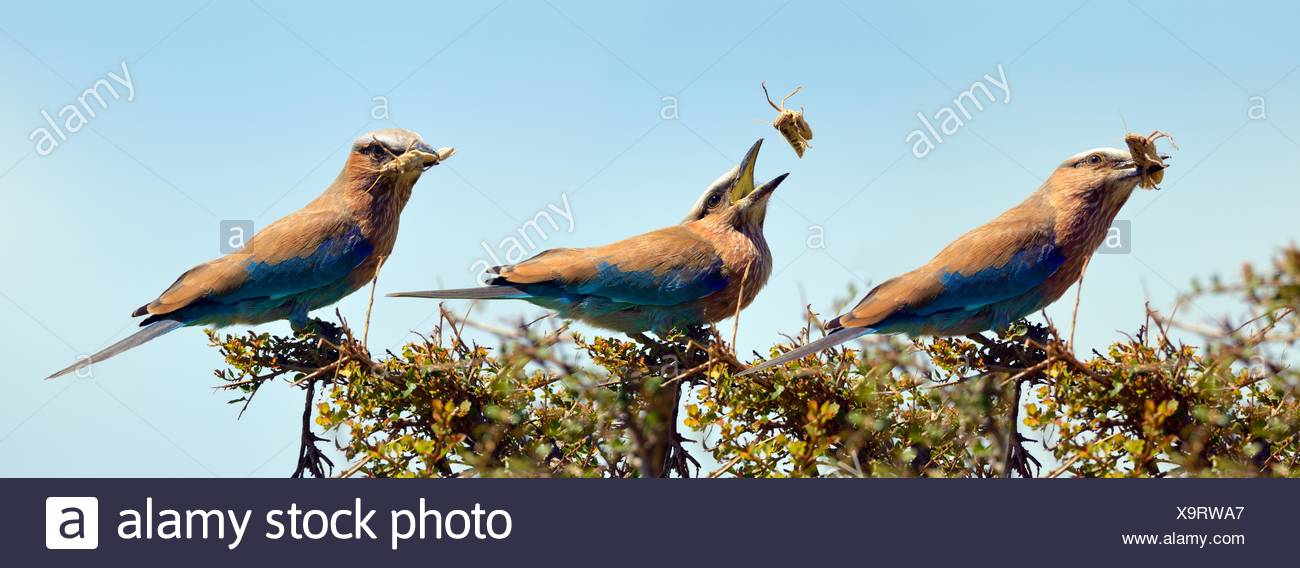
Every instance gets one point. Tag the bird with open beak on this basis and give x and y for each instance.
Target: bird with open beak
(1004, 270)
(698, 272)
(308, 259)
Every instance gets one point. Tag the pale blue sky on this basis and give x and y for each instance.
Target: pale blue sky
(243, 110)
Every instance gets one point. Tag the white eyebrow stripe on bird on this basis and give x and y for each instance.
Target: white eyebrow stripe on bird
(1114, 153)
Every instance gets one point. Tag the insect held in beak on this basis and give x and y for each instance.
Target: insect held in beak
(790, 123)
(398, 165)
(1143, 150)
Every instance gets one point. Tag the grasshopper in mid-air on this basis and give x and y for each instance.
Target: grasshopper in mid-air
(790, 123)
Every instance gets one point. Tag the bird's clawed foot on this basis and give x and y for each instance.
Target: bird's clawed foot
(698, 333)
(681, 348)
(328, 331)
(980, 339)
(1019, 346)
(653, 345)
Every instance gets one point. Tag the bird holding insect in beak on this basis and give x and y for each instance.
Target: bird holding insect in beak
(309, 259)
(698, 272)
(1010, 267)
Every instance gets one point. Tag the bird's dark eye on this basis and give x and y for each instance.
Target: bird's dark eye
(713, 200)
(1095, 159)
(380, 149)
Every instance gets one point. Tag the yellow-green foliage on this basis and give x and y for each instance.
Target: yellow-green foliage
(560, 404)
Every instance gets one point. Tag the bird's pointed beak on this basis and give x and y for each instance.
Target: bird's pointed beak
(765, 191)
(753, 208)
(421, 156)
(426, 156)
(1129, 170)
(744, 184)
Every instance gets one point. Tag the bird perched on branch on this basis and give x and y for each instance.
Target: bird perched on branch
(698, 272)
(309, 259)
(1002, 271)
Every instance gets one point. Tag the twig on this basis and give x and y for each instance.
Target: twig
(740, 297)
(501, 332)
(1264, 334)
(1022, 376)
(980, 339)
(311, 378)
(1013, 429)
(736, 459)
(356, 467)
(1163, 324)
(960, 380)
(310, 456)
(374, 283)
(252, 380)
(461, 328)
(690, 372)
(1078, 295)
(1078, 365)
(726, 466)
(1065, 466)
(1073, 459)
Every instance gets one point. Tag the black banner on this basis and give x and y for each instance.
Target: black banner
(646, 523)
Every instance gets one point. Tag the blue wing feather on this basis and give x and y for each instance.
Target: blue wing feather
(1026, 270)
(332, 260)
(648, 287)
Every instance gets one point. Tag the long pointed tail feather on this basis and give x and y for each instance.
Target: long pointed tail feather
(147, 333)
(484, 293)
(831, 340)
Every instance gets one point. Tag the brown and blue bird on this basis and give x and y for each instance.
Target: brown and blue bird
(1004, 270)
(306, 260)
(698, 272)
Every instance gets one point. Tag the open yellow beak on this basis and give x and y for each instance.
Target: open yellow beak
(745, 180)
